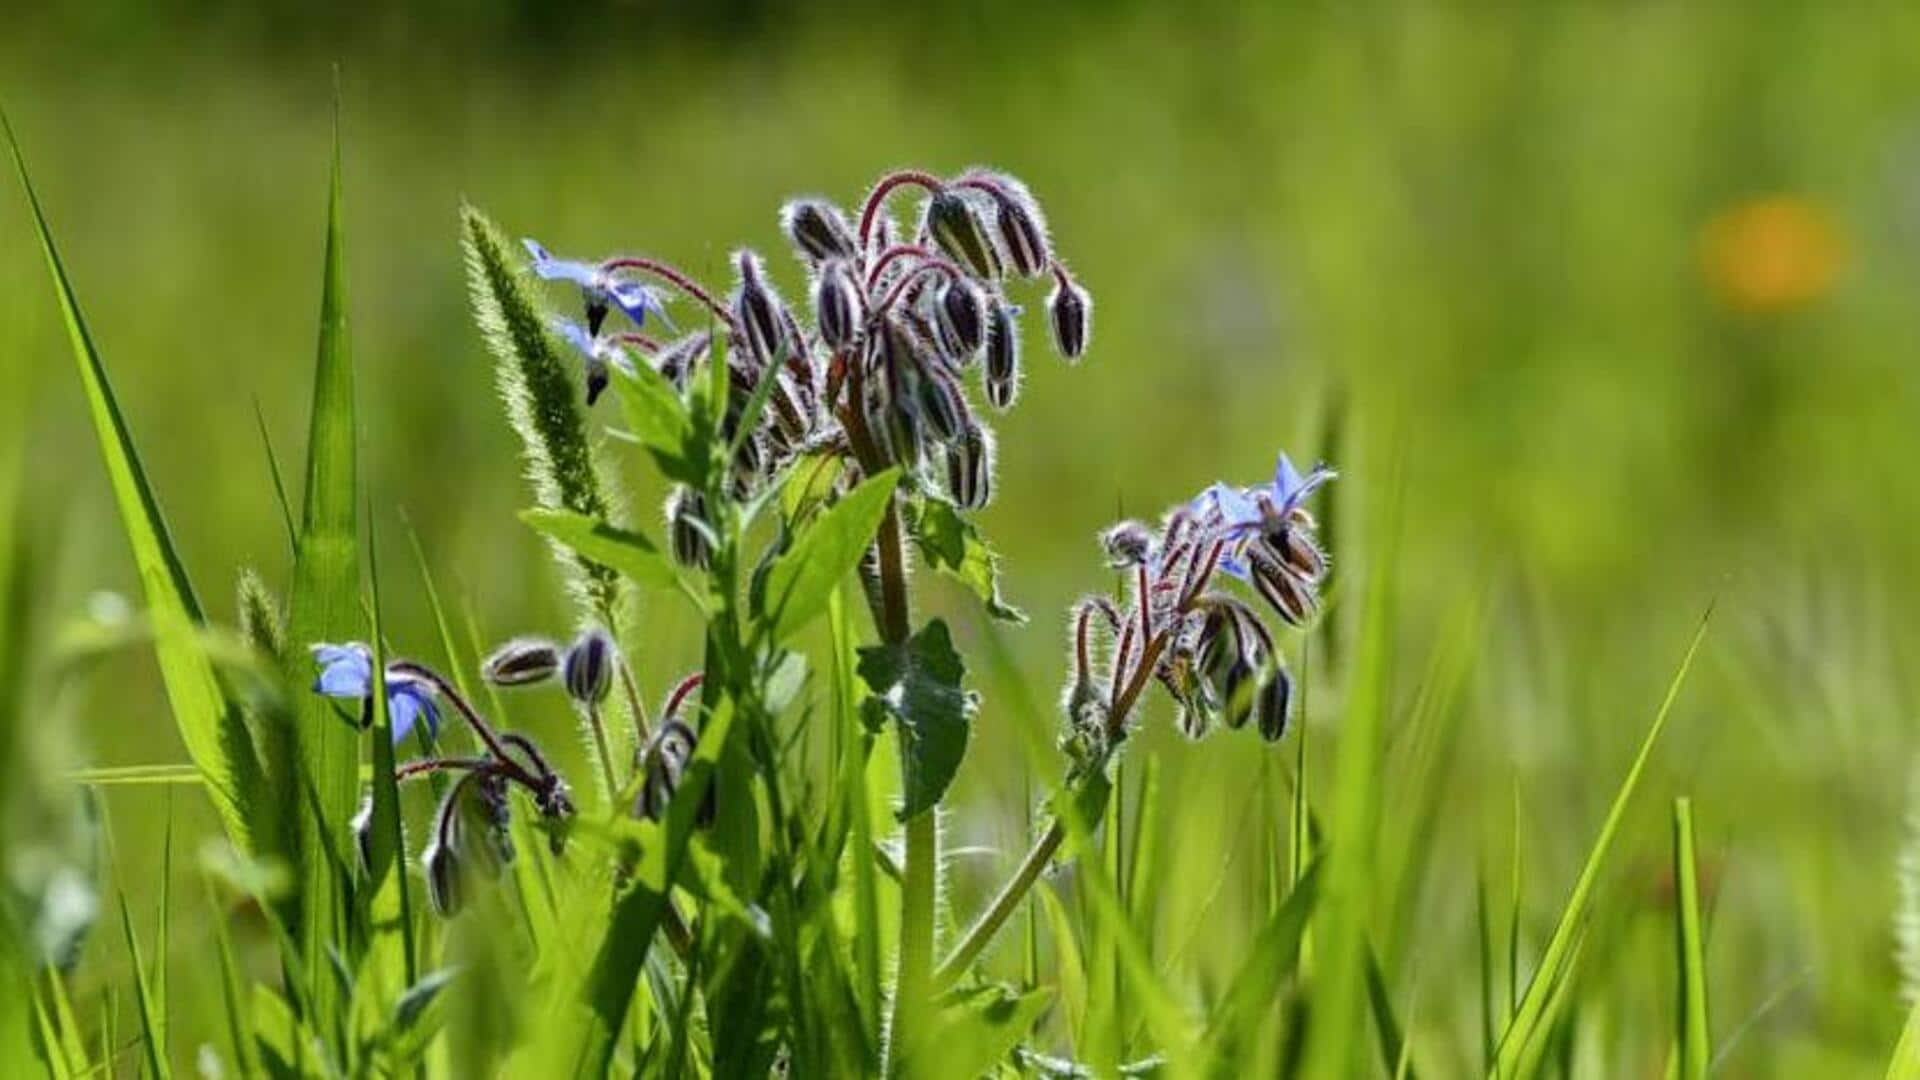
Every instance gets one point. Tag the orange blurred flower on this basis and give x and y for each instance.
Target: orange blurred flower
(1771, 254)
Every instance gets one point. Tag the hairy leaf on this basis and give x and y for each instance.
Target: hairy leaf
(918, 684)
(826, 550)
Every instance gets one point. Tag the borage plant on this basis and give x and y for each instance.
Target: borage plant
(801, 445)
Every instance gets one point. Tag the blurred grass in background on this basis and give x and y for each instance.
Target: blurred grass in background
(1632, 285)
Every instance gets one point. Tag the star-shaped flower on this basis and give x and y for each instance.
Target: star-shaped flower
(599, 288)
(346, 671)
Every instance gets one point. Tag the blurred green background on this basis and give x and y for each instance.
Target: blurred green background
(1628, 286)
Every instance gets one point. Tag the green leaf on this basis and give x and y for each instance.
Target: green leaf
(1275, 953)
(657, 417)
(628, 553)
(953, 546)
(1530, 1019)
(210, 724)
(1696, 1041)
(825, 551)
(975, 1030)
(918, 685)
(152, 1035)
(389, 907)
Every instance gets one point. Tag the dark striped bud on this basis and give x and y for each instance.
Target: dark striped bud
(1002, 380)
(1129, 543)
(956, 228)
(758, 313)
(680, 357)
(1229, 654)
(943, 404)
(1291, 596)
(791, 409)
(445, 891)
(836, 304)
(1070, 313)
(1293, 546)
(1273, 704)
(749, 466)
(905, 429)
(1023, 231)
(482, 835)
(687, 529)
(970, 468)
(589, 667)
(818, 230)
(960, 320)
(599, 377)
(522, 662)
(666, 763)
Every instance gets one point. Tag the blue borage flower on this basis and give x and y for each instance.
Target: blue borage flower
(599, 287)
(598, 353)
(1262, 510)
(346, 671)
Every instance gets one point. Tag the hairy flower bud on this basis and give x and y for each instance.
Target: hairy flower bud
(687, 528)
(970, 468)
(1292, 597)
(818, 230)
(943, 404)
(1129, 543)
(1002, 380)
(445, 890)
(960, 320)
(956, 228)
(1293, 546)
(1070, 313)
(836, 304)
(679, 358)
(522, 662)
(1023, 231)
(1272, 704)
(666, 762)
(589, 667)
(758, 312)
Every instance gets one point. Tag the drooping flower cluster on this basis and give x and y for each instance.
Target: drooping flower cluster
(1208, 648)
(875, 370)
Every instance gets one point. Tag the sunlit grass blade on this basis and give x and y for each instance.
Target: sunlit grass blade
(389, 907)
(1273, 956)
(280, 498)
(137, 775)
(1483, 921)
(1696, 1040)
(152, 1040)
(215, 735)
(1525, 1027)
(1396, 1051)
(239, 1014)
(1334, 1036)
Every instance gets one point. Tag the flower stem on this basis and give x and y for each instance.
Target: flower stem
(990, 920)
(603, 751)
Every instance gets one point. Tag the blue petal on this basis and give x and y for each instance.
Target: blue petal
(1235, 507)
(1286, 479)
(346, 671)
(407, 704)
(552, 269)
(575, 334)
(1320, 475)
(638, 301)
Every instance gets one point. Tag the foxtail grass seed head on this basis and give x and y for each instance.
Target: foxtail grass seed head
(522, 662)
(836, 304)
(818, 230)
(970, 468)
(758, 312)
(1070, 314)
(1002, 379)
(445, 891)
(589, 667)
(961, 320)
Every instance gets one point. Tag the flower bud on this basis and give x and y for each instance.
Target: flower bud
(960, 321)
(1272, 704)
(445, 890)
(1293, 546)
(1129, 543)
(970, 468)
(589, 667)
(687, 528)
(679, 358)
(1291, 596)
(818, 230)
(1194, 720)
(1002, 381)
(522, 662)
(1023, 231)
(758, 313)
(836, 304)
(957, 230)
(1070, 313)
(903, 428)
(943, 404)
(666, 762)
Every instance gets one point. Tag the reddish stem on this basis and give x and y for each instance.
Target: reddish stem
(672, 276)
(878, 196)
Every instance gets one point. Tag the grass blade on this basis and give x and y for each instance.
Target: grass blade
(1532, 1012)
(215, 735)
(151, 1036)
(1696, 1041)
(389, 910)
